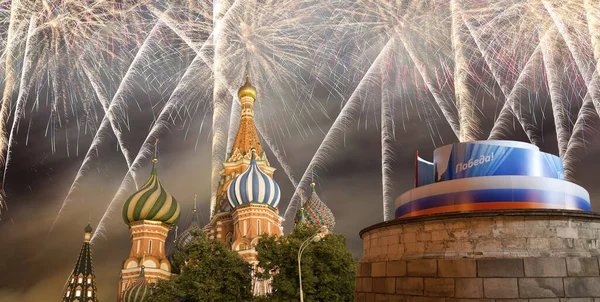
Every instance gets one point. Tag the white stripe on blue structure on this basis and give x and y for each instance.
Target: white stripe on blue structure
(253, 186)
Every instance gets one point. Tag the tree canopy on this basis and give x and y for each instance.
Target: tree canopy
(328, 268)
(208, 272)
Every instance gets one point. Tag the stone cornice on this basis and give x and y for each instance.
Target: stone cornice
(542, 213)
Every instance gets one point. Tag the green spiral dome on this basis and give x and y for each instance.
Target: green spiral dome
(151, 202)
(138, 291)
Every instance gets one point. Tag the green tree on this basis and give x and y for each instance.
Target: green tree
(328, 268)
(208, 272)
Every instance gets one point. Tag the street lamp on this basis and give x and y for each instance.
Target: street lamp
(314, 238)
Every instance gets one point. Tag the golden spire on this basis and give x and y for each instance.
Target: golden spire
(195, 196)
(247, 137)
(247, 89)
(155, 158)
(301, 200)
(312, 176)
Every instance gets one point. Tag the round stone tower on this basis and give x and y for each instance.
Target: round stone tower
(508, 228)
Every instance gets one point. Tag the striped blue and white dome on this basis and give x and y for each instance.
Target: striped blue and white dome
(253, 186)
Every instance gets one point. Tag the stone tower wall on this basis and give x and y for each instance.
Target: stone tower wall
(525, 255)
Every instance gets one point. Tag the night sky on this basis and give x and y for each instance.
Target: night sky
(35, 265)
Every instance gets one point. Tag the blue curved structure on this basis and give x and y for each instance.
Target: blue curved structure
(490, 175)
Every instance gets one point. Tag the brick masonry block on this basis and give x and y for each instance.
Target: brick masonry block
(396, 269)
(378, 269)
(500, 288)
(545, 300)
(389, 298)
(545, 267)
(468, 287)
(582, 267)
(358, 284)
(470, 300)
(500, 268)
(367, 285)
(425, 268)
(582, 287)
(361, 297)
(365, 269)
(577, 300)
(439, 287)
(409, 286)
(541, 288)
(384, 285)
(424, 299)
(457, 268)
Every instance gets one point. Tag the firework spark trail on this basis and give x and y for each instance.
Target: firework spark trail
(593, 20)
(577, 140)
(346, 115)
(234, 121)
(23, 93)
(589, 73)
(506, 91)
(509, 109)
(558, 110)
(221, 100)
(9, 81)
(437, 95)
(470, 128)
(586, 69)
(387, 151)
(286, 168)
(98, 137)
(234, 113)
(589, 107)
(106, 105)
(162, 123)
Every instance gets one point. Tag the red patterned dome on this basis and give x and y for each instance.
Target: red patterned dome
(317, 213)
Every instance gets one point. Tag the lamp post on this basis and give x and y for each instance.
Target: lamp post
(314, 238)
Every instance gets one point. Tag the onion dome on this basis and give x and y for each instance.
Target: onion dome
(247, 89)
(138, 291)
(317, 213)
(253, 186)
(151, 202)
(186, 237)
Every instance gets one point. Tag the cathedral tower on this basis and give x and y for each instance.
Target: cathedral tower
(81, 285)
(247, 196)
(150, 213)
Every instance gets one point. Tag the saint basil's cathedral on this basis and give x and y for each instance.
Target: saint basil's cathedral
(246, 209)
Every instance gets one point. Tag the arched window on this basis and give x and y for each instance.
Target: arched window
(80, 279)
(150, 247)
(243, 246)
(258, 227)
(229, 239)
(89, 293)
(89, 280)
